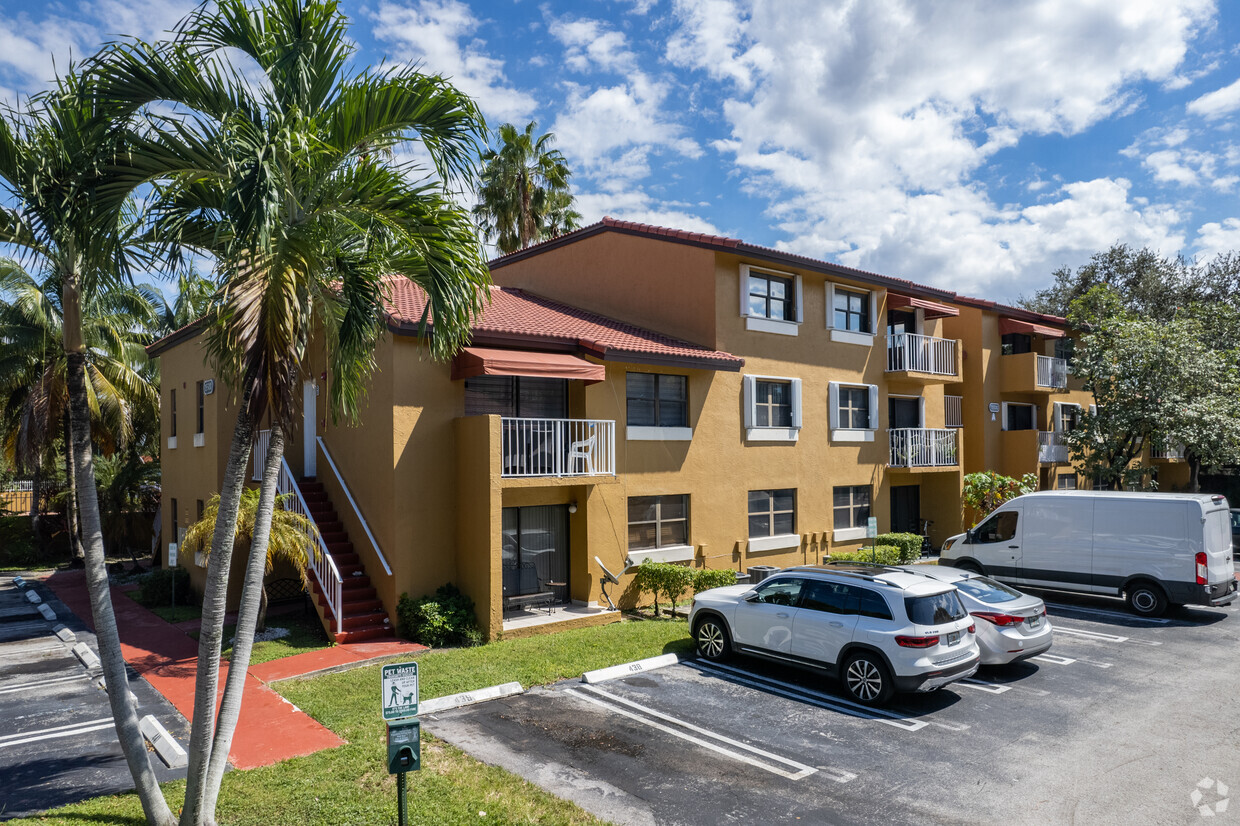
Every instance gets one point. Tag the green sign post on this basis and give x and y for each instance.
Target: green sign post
(398, 698)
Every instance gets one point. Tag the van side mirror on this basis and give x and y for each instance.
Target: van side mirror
(969, 536)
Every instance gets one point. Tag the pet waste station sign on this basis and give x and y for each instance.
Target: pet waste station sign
(400, 691)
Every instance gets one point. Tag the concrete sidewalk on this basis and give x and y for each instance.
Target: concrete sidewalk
(270, 728)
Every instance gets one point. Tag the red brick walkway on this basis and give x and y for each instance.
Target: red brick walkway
(270, 728)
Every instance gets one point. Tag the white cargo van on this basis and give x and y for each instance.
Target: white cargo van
(1155, 549)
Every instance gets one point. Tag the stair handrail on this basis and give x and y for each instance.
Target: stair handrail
(325, 570)
(356, 510)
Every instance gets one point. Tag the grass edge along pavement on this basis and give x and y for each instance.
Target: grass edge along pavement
(350, 786)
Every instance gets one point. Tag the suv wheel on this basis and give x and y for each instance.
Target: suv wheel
(866, 679)
(1146, 599)
(713, 642)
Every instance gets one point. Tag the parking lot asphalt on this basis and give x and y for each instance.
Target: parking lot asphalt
(58, 742)
(1124, 721)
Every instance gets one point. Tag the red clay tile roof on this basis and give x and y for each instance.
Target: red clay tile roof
(738, 247)
(516, 318)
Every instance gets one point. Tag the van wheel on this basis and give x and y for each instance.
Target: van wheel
(866, 679)
(970, 567)
(1146, 599)
(713, 641)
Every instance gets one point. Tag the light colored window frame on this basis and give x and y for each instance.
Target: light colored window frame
(851, 434)
(864, 338)
(851, 531)
(659, 521)
(1004, 414)
(773, 541)
(766, 433)
(766, 324)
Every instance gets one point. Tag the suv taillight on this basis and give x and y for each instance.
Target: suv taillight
(973, 628)
(997, 618)
(1202, 568)
(917, 642)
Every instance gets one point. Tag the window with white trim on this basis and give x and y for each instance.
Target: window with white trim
(1067, 416)
(772, 408)
(771, 301)
(772, 512)
(851, 506)
(1065, 481)
(658, 521)
(851, 311)
(852, 411)
(1019, 416)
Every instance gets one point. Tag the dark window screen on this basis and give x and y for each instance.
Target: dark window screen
(516, 396)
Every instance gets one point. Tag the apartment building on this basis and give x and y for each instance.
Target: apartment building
(632, 393)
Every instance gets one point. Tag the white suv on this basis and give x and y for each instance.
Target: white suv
(878, 630)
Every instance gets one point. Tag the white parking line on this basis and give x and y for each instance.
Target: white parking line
(71, 730)
(1094, 663)
(1023, 689)
(1102, 612)
(641, 714)
(1054, 658)
(979, 685)
(796, 692)
(30, 686)
(1095, 635)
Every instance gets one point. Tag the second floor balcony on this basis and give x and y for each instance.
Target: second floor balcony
(1033, 373)
(925, 359)
(557, 447)
(1163, 453)
(1051, 447)
(918, 447)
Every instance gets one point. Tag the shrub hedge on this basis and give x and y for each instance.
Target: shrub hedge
(447, 618)
(909, 544)
(155, 588)
(882, 555)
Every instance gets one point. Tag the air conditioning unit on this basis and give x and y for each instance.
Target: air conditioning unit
(757, 573)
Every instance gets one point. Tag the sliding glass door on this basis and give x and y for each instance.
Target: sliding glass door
(535, 552)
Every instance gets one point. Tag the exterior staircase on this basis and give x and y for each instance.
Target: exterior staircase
(363, 614)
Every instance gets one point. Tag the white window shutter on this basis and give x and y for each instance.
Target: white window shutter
(796, 404)
(750, 394)
(873, 406)
(873, 312)
(830, 306)
(1055, 414)
(800, 303)
(1003, 415)
(921, 411)
(744, 290)
(833, 405)
(1093, 410)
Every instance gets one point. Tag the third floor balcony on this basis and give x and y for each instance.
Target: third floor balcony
(1033, 373)
(923, 359)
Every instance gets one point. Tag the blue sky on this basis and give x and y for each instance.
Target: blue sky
(975, 146)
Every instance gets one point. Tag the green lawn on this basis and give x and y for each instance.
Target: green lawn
(350, 784)
(305, 634)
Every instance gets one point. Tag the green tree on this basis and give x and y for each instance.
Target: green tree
(524, 196)
(290, 186)
(987, 490)
(66, 220)
(293, 538)
(195, 296)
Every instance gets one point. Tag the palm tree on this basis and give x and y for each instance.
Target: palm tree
(293, 538)
(524, 197)
(34, 394)
(195, 295)
(289, 185)
(65, 219)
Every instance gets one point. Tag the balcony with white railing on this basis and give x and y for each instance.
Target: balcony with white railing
(1052, 449)
(923, 358)
(915, 447)
(1163, 453)
(1032, 373)
(557, 447)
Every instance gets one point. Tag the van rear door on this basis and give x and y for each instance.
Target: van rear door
(1217, 537)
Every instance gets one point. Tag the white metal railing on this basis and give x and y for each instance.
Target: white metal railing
(920, 447)
(953, 411)
(1052, 372)
(260, 454)
(1051, 446)
(324, 567)
(1159, 451)
(558, 447)
(356, 510)
(921, 354)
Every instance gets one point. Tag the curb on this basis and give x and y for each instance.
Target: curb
(468, 698)
(628, 669)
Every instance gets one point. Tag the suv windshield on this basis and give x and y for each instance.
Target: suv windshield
(935, 609)
(987, 590)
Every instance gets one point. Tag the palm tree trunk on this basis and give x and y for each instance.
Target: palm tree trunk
(247, 616)
(124, 707)
(36, 486)
(1194, 473)
(261, 625)
(215, 595)
(75, 538)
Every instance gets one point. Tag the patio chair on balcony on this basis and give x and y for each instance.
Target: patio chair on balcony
(582, 450)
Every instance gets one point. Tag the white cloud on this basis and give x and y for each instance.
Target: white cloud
(1215, 238)
(866, 143)
(590, 42)
(439, 35)
(1216, 104)
(637, 205)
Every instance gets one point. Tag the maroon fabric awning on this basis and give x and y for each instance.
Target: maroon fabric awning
(1012, 325)
(933, 309)
(488, 361)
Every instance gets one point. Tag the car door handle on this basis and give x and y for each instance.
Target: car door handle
(836, 624)
(1014, 547)
(782, 615)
